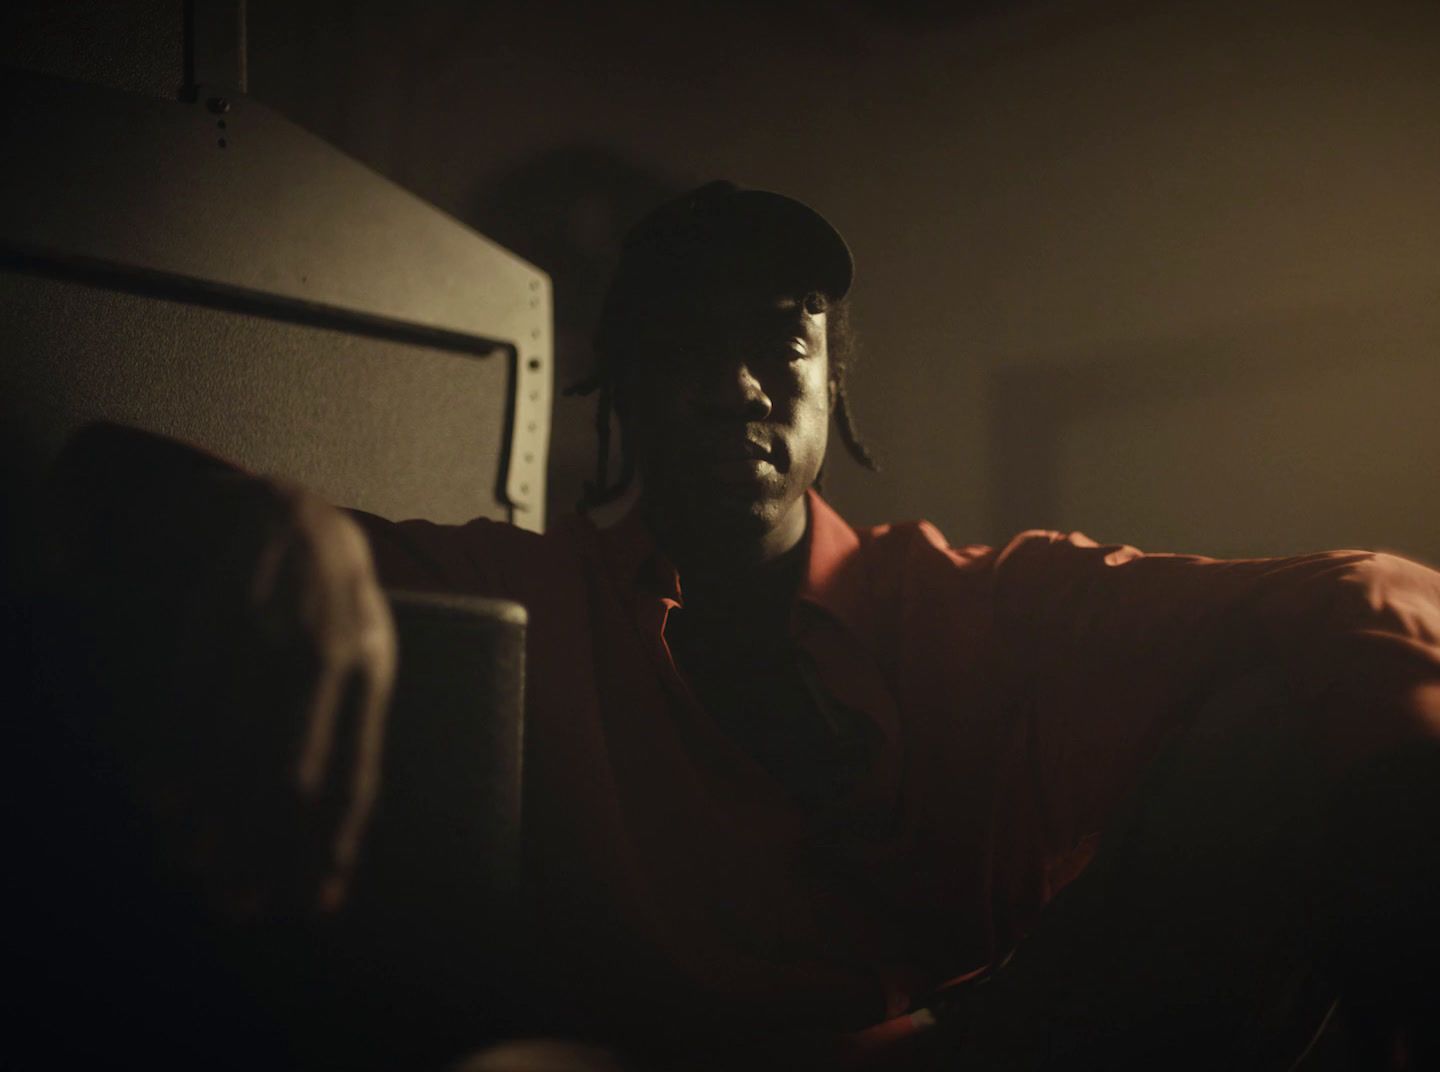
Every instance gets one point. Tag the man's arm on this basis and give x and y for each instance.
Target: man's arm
(1253, 742)
(1113, 651)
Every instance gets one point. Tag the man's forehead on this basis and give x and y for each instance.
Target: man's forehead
(723, 320)
(736, 305)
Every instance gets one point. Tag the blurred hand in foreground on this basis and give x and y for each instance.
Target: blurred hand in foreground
(242, 654)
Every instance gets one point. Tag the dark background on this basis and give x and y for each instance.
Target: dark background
(1167, 271)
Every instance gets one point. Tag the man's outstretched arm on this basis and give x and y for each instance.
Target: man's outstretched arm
(1256, 743)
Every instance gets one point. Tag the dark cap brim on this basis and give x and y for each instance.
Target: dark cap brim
(723, 237)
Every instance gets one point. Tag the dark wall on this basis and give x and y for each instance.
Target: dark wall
(1164, 270)
(1223, 217)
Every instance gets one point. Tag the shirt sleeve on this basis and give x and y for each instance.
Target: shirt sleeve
(481, 557)
(1112, 651)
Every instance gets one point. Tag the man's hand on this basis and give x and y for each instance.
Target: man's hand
(290, 646)
(247, 657)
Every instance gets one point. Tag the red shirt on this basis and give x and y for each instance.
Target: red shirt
(1018, 694)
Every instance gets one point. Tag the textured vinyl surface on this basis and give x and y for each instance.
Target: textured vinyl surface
(131, 45)
(398, 430)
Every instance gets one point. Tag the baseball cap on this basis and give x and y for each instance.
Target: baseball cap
(722, 238)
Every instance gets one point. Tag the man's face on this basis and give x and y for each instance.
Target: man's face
(728, 409)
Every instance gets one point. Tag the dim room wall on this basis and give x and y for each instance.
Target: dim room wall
(1199, 239)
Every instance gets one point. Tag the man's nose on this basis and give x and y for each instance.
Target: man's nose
(734, 391)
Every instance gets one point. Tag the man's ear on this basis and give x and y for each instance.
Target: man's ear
(833, 388)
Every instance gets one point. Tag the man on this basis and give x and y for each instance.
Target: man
(788, 779)
(790, 776)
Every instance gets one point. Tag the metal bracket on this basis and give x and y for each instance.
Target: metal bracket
(532, 379)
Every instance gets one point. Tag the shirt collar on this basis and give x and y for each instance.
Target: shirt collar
(832, 580)
(635, 558)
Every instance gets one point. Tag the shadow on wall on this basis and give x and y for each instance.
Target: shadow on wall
(566, 211)
(1285, 435)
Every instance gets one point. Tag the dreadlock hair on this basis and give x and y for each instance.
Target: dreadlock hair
(840, 344)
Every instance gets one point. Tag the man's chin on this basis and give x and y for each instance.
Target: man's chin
(746, 511)
(728, 511)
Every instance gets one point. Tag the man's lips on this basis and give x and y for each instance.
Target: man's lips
(737, 450)
(740, 462)
(742, 470)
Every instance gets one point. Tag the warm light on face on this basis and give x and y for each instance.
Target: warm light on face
(728, 412)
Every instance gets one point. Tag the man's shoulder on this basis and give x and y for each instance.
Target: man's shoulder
(910, 563)
(915, 556)
(918, 539)
(924, 542)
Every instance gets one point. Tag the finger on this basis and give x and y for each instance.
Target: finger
(363, 781)
(343, 764)
(318, 720)
(379, 664)
(379, 657)
(354, 636)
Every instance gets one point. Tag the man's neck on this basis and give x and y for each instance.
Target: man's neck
(724, 550)
(722, 576)
(769, 583)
